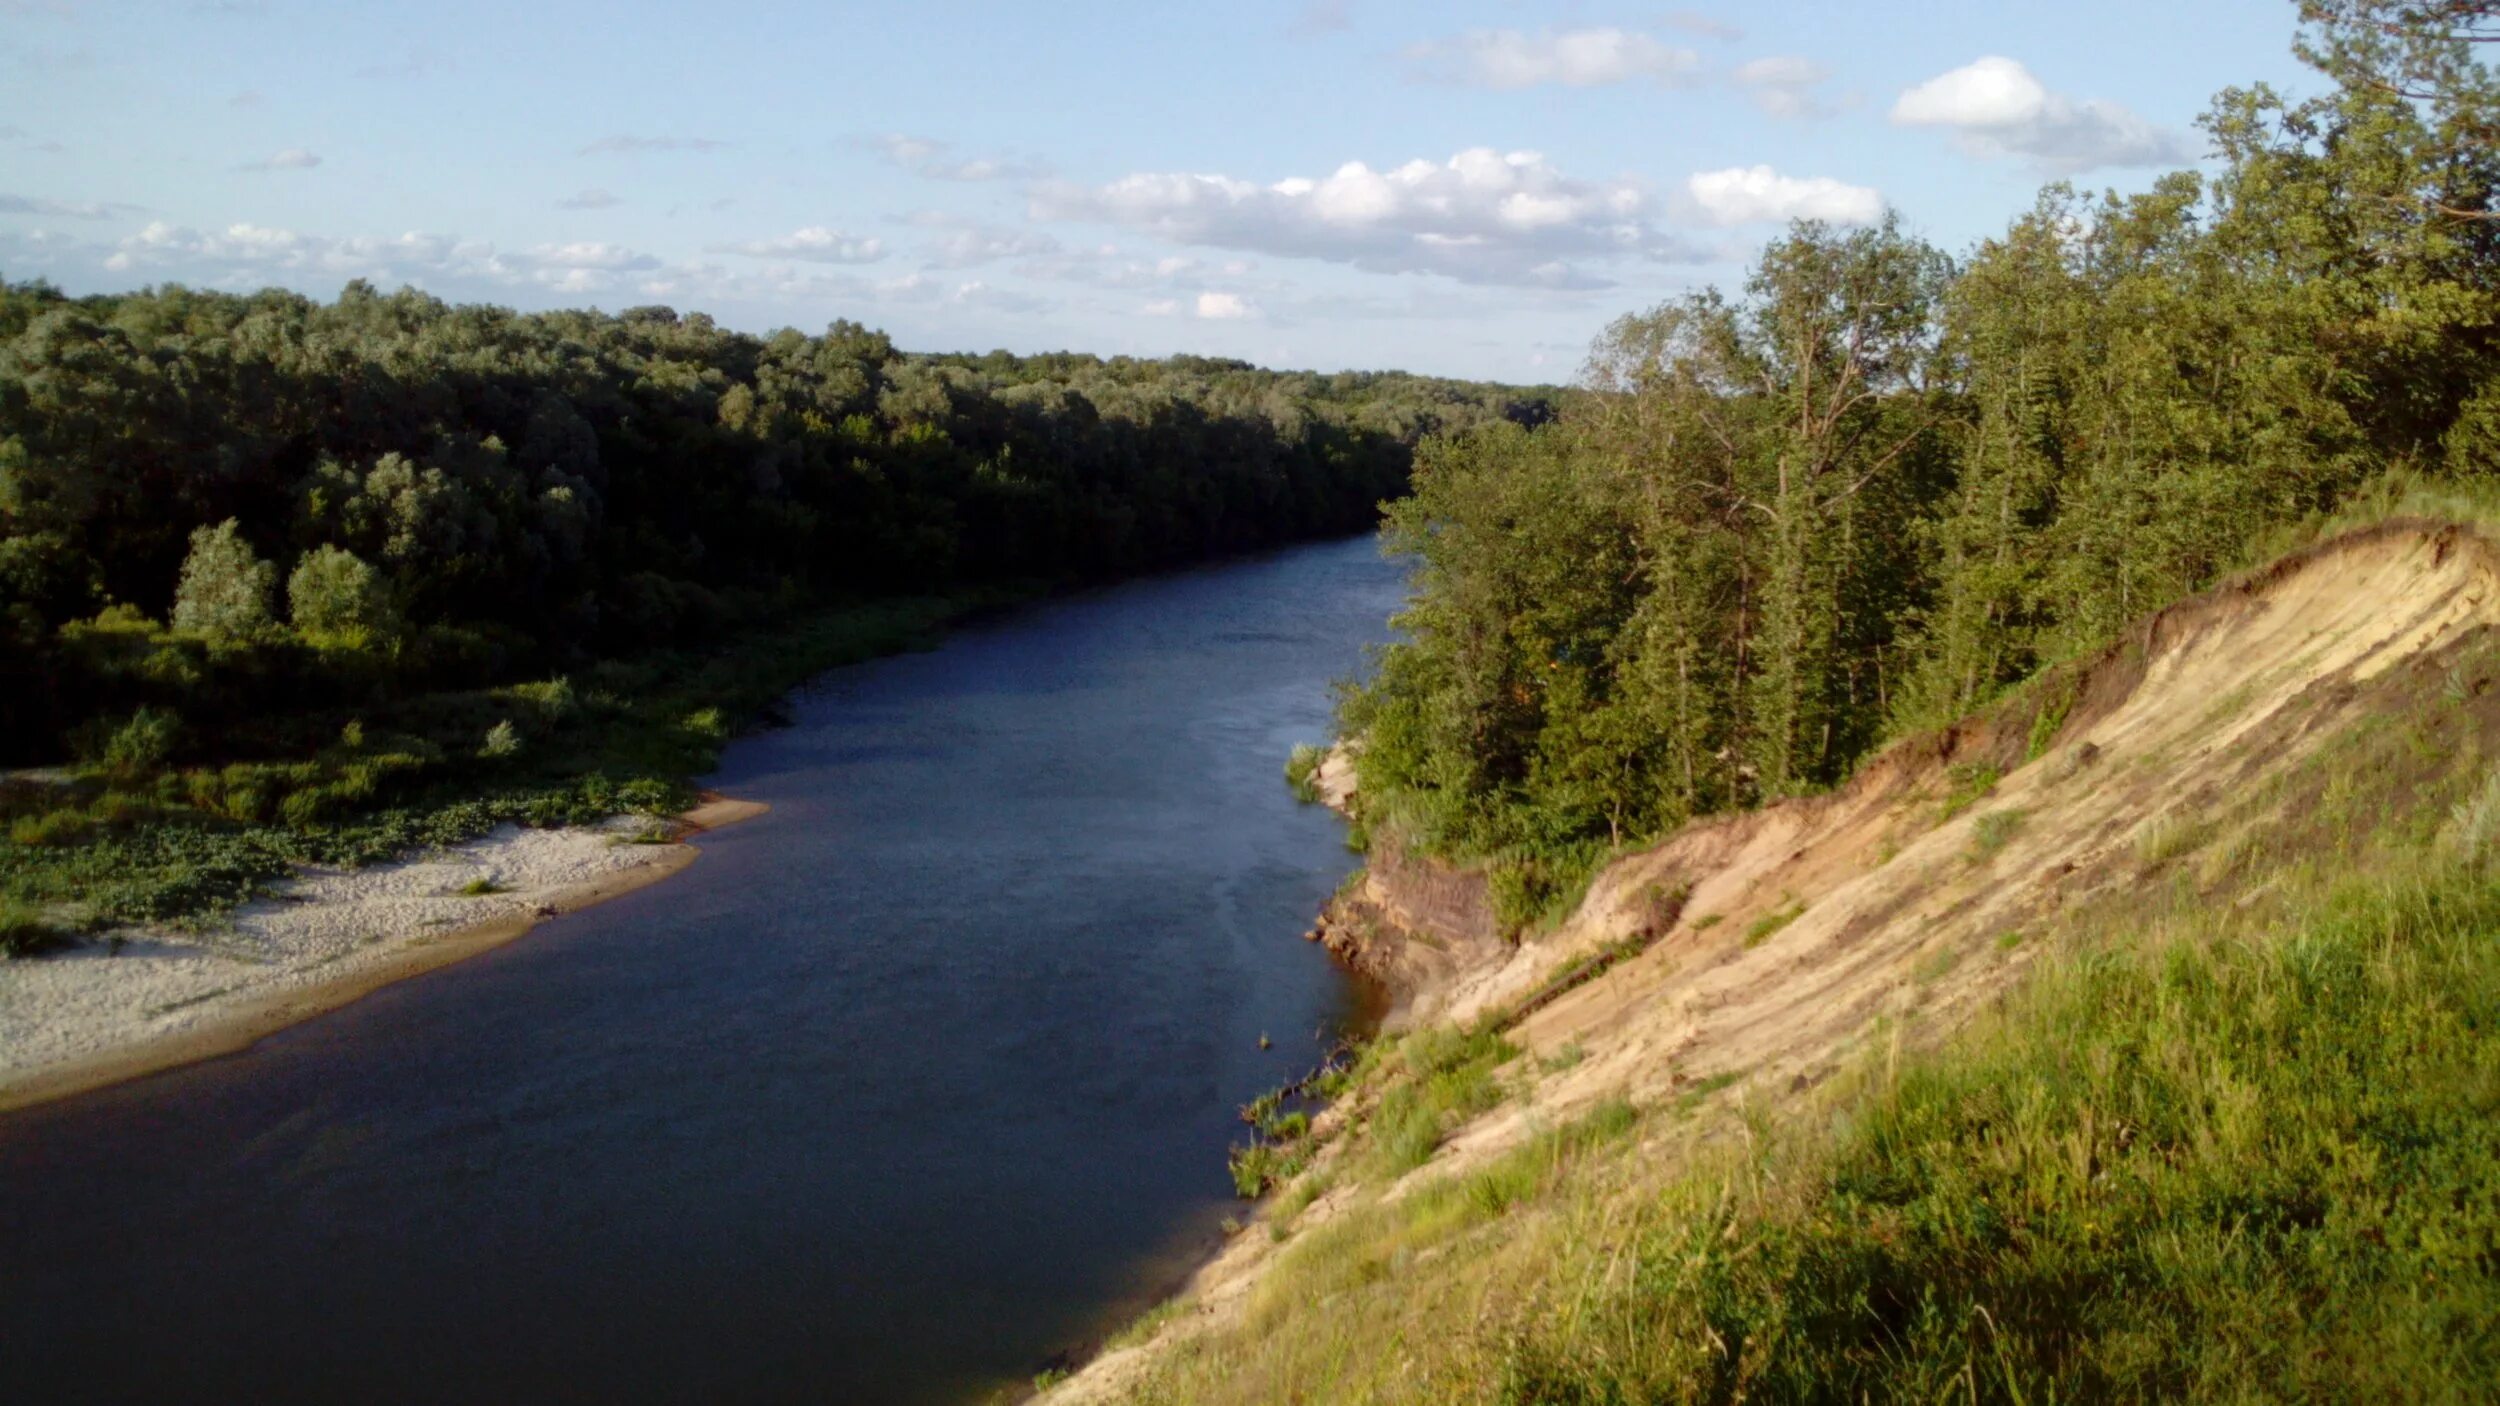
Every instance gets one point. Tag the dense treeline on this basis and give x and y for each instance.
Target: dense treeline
(1878, 486)
(214, 506)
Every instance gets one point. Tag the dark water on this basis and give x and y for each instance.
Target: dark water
(898, 1089)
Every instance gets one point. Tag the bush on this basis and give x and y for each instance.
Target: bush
(334, 596)
(502, 740)
(1302, 771)
(141, 744)
(24, 933)
(225, 589)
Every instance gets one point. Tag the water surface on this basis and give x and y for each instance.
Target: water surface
(920, 1077)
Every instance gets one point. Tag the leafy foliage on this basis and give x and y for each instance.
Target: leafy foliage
(460, 496)
(1873, 490)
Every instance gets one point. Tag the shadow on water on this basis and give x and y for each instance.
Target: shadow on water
(902, 1088)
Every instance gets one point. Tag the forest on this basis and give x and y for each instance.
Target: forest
(1877, 485)
(283, 580)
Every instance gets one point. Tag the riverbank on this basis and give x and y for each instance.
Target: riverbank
(139, 1000)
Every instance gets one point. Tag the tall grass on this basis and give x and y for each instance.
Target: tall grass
(2232, 1153)
(2262, 1168)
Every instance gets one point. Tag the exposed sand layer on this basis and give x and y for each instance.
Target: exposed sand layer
(1772, 944)
(147, 999)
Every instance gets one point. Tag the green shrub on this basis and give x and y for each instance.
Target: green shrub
(1302, 771)
(224, 591)
(1993, 831)
(25, 933)
(334, 597)
(139, 744)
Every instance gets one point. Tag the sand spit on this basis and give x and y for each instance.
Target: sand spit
(142, 1000)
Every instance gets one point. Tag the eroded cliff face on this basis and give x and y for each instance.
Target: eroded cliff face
(1413, 924)
(1758, 952)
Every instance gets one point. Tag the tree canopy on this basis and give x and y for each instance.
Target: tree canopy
(1876, 486)
(454, 496)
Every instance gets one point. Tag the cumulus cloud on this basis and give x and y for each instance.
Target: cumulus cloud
(815, 244)
(252, 254)
(1574, 58)
(1995, 107)
(1783, 84)
(622, 144)
(923, 287)
(1695, 22)
(63, 209)
(294, 158)
(1481, 216)
(1110, 266)
(1210, 306)
(1743, 195)
(591, 199)
(964, 242)
(936, 160)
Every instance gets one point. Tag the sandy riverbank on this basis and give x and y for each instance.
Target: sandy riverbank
(108, 1011)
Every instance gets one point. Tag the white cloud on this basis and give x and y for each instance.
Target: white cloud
(1209, 306)
(815, 244)
(1695, 22)
(968, 242)
(294, 158)
(1481, 216)
(1751, 194)
(63, 209)
(934, 159)
(1996, 107)
(591, 199)
(591, 254)
(1783, 84)
(248, 254)
(1575, 58)
(632, 145)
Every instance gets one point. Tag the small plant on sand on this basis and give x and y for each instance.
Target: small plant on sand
(481, 886)
(1967, 784)
(1991, 832)
(1302, 771)
(502, 740)
(25, 933)
(1761, 929)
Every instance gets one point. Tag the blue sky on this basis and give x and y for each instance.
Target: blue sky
(1469, 188)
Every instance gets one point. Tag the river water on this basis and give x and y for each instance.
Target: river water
(897, 1090)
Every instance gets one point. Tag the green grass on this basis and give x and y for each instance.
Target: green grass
(1993, 831)
(2262, 1168)
(1966, 785)
(1302, 771)
(482, 887)
(1447, 1076)
(141, 833)
(1760, 929)
(25, 932)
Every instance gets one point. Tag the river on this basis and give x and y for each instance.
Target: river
(922, 1076)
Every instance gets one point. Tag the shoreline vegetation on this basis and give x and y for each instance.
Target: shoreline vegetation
(288, 586)
(1943, 816)
(280, 979)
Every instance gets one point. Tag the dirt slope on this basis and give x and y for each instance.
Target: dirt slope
(1780, 940)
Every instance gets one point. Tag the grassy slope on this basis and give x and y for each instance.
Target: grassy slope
(2237, 1136)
